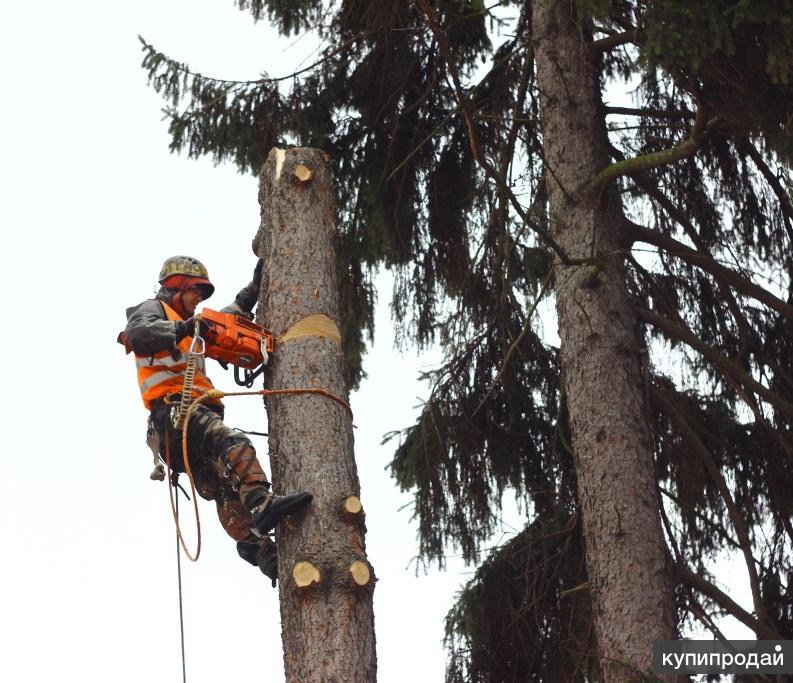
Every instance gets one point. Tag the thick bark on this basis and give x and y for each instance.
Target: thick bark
(325, 590)
(626, 556)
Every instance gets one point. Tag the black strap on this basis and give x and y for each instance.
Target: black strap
(250, 376)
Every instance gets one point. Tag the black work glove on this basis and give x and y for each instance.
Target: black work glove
(186, 328)
(247, 296)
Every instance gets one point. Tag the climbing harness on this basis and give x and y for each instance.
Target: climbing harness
(214, 394)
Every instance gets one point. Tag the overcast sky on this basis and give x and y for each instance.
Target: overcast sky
(92, 202)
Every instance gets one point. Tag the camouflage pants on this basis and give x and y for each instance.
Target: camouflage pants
(223, 462)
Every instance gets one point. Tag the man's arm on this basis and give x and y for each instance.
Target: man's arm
(248, 296)
(149, 330)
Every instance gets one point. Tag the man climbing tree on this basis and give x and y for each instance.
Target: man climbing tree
(159, 332)
(663, 231)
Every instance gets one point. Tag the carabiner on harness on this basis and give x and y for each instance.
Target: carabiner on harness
(197, 349)
(198, 345)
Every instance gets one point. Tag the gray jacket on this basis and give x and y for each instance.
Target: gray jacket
(149, 330)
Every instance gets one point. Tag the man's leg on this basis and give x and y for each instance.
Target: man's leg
(260, 551)
(243, 471)
(248, 479)
(204, 436)
(236, 458)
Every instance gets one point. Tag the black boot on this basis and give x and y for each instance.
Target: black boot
(247, 549)
(267, 559)
(261, 553)
(272, 509)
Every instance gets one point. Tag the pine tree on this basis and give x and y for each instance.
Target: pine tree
(326, 581)
(478, 156)
(600, 359)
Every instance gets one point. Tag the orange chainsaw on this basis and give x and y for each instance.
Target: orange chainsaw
(235, 340)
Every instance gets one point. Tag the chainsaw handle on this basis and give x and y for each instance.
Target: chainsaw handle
(249, 376)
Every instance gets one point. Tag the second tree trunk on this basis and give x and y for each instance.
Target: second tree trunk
(600, 356)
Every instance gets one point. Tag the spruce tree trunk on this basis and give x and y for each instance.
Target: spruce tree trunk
(325, 581)
(626, 554)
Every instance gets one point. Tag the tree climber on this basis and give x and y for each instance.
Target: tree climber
(223, 461)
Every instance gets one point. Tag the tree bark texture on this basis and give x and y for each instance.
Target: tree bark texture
(327, 615)
(627, 561)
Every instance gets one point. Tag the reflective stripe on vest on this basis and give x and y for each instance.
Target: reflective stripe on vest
(160, 374)
(176, 365)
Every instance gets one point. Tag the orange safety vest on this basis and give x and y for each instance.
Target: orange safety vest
(160, 375)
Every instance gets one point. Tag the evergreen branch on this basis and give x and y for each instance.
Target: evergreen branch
(423, 142)
(772, 179)
(485, 11)
(185, 70)
(762, 276)
(663, 157)
(603, 29)
(623, 22)
(516, 343)
(621, 128)
(631, 37)
(677, 330)
(649, 112)
(737, 519)
(432, 81)
(695, 605)
(440, 126)
(508, 151)
(704, 618)
(464, 106)
(781, 498)
(717, 528)
(725, 602)
(580, 587)
(677, 555)
(451, 369)
(784, 444)
(501, 119)
(710, 265)
(651, 189)
(751, 401)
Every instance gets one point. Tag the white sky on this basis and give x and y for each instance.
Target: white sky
(92, 203)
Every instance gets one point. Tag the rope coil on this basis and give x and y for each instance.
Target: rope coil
(216, 394)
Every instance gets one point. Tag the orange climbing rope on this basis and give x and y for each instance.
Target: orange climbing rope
(171, 494)
(217, 394)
